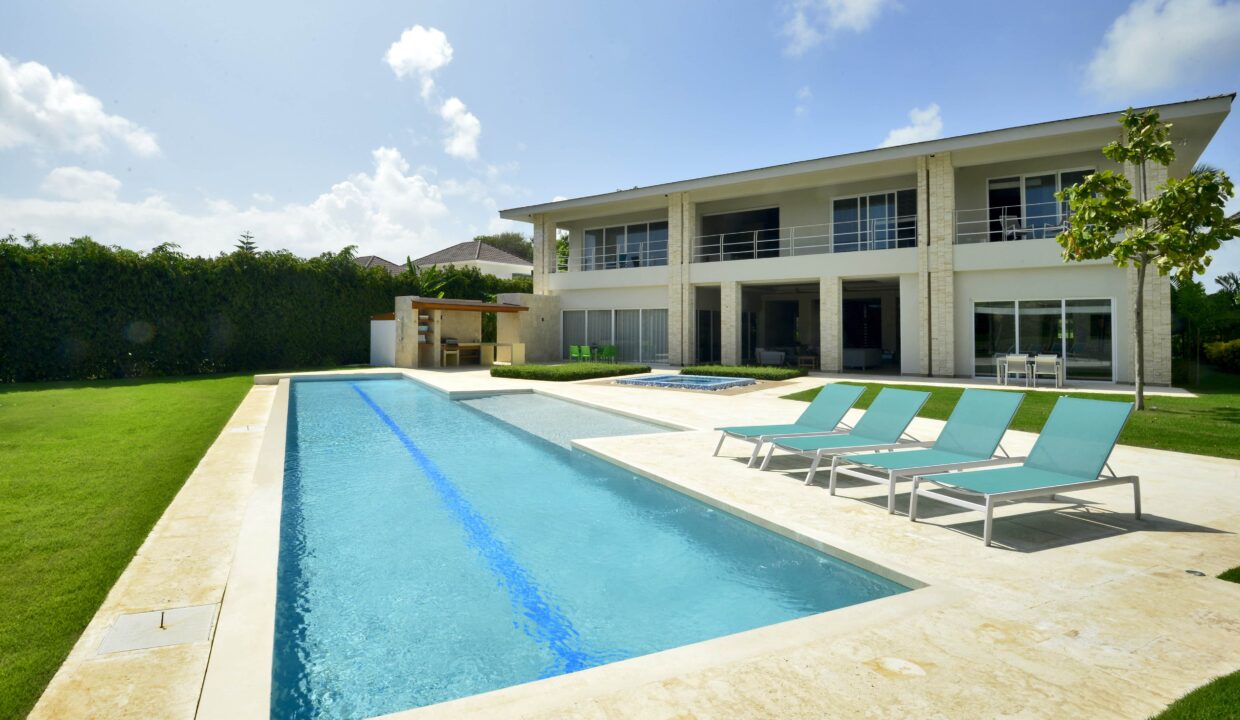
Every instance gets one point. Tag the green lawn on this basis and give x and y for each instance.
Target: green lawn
(86, 468)
(1204, 425)
(1217, 700)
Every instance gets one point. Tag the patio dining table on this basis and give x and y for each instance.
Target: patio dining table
(1001, 370)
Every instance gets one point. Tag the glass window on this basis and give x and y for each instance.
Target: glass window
(613, 244)
(628, 334)
(1087, 337)
(656, 247)
(591, 243)
(598, 327)
(654, 336)
(846, 224)
(994, 333)
(1041, 207)
(1003, 199)
(1039, 327)
(635, 247)
(574, 329)
(906, 222)
(882, 212)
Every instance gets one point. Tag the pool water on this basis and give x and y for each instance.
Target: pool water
(688, 382)
(430, 551)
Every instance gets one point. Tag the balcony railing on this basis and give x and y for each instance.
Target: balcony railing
(595, 260)
(1012, 222)
(852, 236)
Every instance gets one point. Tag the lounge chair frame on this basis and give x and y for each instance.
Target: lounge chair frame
(989, 501)
(842, 465)
(760, 440)
(820, 453)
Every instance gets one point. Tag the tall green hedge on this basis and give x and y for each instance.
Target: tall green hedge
(82, 310)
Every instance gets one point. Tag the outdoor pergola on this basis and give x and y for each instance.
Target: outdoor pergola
(437, 332)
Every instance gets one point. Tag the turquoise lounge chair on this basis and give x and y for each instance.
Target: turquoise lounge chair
(1070, 454)
(880, 428)
(968, 440)
(822, 417)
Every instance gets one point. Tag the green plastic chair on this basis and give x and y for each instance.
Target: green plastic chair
(575, 354)
(824, 415)
(609, 353)
(880, 428)
(968, 440)
(1070, 454)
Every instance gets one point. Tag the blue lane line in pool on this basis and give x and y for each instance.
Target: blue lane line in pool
(550, 624)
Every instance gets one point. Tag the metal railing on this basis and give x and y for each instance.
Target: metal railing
(1010, 222)
(630, 258)
(853, 236)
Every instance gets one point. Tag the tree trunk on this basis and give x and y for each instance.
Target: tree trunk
(1139, 323)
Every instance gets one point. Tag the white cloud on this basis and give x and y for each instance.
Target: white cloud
(420, 53)
(265, 198)
(812, 21)
(463, 129)
(1157, 44)
(389, 212)
(925, 124)
(75, 183)
(804, 95)
(40, 109)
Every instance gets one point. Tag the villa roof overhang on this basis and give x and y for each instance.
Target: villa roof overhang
(462, 305)
(1196, 122)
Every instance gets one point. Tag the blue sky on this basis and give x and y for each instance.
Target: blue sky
(403, 127)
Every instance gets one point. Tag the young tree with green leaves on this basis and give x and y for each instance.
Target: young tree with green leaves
(1173, 229)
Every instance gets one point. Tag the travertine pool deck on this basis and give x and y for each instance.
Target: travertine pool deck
(1081, 612)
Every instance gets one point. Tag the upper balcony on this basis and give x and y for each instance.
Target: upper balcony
(853, 235)
(1010, 222)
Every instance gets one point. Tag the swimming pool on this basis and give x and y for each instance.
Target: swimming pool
(688, 382)
(430, 551)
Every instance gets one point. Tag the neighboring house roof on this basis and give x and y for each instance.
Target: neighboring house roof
(1220, 104)
(369, 261)
(471, 250)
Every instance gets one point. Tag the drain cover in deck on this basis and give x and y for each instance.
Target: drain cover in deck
(138, 631)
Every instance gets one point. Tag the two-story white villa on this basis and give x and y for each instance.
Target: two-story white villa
(922, 259)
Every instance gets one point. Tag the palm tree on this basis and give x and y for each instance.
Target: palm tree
(1230, 282)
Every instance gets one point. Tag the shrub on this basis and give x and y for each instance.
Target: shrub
(757, 372)
(1225, 355)
(81, 310)
(567, 372)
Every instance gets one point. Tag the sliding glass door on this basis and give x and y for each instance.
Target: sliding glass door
(1087, 336)
(1024, 206)
(874, 222)
(1079, 331)
(639, 335)
(994, 334)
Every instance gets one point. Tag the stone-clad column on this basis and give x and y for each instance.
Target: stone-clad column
(730, 322)
(831, 324)
(939, 258)
(1157, 300)
(544, 253)
(681, 227)
(923, 267)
